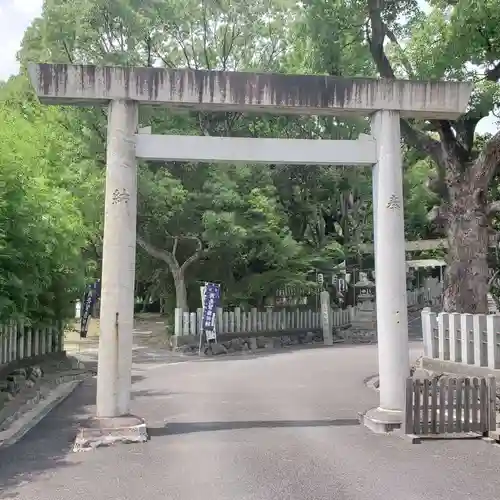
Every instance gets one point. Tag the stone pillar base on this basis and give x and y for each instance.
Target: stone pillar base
(106, 431)
(382, 421)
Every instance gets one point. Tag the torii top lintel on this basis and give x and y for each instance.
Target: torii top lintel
(249, 92)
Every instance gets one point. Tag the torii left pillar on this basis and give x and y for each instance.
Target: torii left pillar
(113, 421)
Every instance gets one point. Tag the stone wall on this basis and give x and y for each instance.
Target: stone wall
(247, 343)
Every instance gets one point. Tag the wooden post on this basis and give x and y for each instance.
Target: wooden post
(219, 323)
(459, 404)
(36, 341)
(22, 340)
(178, 322)
(455, 337)
(350, 309)
(425, 406)
(408, 417)
(60, 335)
(492, 398)
(466, 329)
(243, 323)
(416, 407)
(466, 401)
(479, 328)
(199, 321)
(28, 331)
(253, 320)
(444, 336)
(484, 395)
(6, 334)
(237, 319)
(493, 331)
(13, 340)
(193, 324)
(264, 317)
(185, 323)
(474, 407)
(429, 323)
(325, 318)
(3, 350)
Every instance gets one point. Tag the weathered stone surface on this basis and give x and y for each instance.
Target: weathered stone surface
(98, 432)
(236, 345)
(261, 342)
(244, 344)
(34, 373)
(277, 343)
(235, 91)
(13, 387)
(308, 338)
(217, 349)
(16, 378)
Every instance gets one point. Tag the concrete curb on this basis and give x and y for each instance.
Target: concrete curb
(455, 368)
(31, 418)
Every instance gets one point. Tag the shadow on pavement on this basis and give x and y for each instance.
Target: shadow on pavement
(47, 445)
(148, 393)
(176, 428)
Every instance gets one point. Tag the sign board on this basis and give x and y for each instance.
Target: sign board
(321, 278)
(210, 298)
(92, 293)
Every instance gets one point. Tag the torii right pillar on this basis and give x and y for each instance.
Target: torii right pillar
(390, 273)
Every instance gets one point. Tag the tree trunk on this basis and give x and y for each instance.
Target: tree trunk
(178, 272)
(467, 233)
(180, 290)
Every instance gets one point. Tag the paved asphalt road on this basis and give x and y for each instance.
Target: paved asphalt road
(268, 427)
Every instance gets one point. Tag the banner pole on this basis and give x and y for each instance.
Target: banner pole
(202, 290)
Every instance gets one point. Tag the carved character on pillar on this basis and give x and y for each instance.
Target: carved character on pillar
(394, 203)
(120, 196)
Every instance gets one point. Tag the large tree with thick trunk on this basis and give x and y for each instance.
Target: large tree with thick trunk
(458, 40)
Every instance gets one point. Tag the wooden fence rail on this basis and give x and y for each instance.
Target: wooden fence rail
(450, 405)
(18, 342)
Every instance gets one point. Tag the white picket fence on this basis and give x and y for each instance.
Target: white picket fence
(242, 322)
(255, 321)
(19, 342)
(472, 339)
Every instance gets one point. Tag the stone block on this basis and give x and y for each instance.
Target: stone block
(97, 432)
(261, 342)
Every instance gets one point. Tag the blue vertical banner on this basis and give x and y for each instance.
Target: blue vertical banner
(211, 300)
(92, 294)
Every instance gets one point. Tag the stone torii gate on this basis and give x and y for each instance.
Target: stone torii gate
(124, 89)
